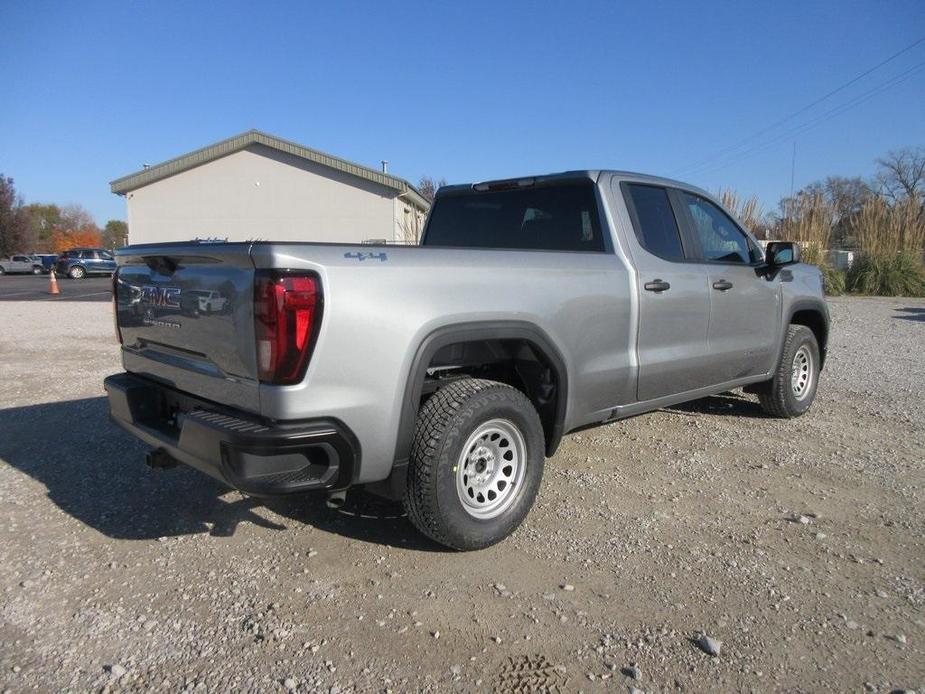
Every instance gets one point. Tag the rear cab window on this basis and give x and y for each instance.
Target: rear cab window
(556, 217)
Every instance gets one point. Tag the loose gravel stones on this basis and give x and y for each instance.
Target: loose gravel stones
(669, 526)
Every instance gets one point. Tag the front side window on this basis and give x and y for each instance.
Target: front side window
(720, 239)
(656, 227)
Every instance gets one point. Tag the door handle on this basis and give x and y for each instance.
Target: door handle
(657, 286)
(722, 285)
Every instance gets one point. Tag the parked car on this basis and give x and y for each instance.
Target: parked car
(78, 263)
(22, 264)
(443, 375)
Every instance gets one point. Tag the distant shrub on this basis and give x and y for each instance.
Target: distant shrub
(887, 274)
(833, 281)
(891, 239)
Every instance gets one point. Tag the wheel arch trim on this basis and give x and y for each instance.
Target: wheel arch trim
(818, 307)
(474, 332)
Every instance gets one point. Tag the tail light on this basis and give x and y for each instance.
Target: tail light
(287, 315)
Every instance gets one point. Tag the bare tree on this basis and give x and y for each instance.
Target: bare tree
(902, 174)
(74, 217)
(428, 187)
(845, 197)
(15, 230)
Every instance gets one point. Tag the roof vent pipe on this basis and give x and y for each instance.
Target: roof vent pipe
(385, 166)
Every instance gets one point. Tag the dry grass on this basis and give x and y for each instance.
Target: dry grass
(809, 222)
(747, 210)
(882, 229)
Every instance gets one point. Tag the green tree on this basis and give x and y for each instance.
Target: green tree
(15, 232)
(115, 233)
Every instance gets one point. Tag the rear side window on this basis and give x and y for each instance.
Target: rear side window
(655, 223)
(551, 218)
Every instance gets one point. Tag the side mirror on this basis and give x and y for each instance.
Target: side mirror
(782, 253)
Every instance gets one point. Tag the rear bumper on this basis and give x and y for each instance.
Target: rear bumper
(245, 452)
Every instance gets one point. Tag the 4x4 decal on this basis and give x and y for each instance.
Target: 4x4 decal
(381, 256)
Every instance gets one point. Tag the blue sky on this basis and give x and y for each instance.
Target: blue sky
(463, 90)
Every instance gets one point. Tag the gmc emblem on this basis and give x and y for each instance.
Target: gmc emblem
(161, 297)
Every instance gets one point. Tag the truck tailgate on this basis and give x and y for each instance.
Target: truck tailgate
(186, 317)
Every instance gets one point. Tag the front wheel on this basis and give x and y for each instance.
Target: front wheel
(793, 388)
(476, 464)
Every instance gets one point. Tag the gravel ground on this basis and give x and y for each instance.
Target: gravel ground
(792, 550)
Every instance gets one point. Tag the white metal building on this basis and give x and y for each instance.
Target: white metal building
(257, 186)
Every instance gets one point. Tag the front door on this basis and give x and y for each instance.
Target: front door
(21, 263)
(674, 303)
(744, 305)
(107, 262)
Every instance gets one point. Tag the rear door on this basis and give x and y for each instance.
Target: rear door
(90, 261)
(674, 303)
(745, 305)
(167, 337)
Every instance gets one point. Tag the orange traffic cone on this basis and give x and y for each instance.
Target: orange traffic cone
(53, 284)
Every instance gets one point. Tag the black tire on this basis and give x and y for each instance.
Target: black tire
(36, 269)
(777, 396)
(77, 273)
(444, 425)
(2, 271)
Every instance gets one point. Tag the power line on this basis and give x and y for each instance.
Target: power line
(802, 110)
(818, 120)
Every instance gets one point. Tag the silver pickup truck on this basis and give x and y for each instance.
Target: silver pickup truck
(24, 264)
(443, 375)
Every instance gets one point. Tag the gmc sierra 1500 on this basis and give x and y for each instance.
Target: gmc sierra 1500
(445, 374)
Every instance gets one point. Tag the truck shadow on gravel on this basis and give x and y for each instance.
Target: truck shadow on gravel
(724, 404)
(94, 472)
(913, 313)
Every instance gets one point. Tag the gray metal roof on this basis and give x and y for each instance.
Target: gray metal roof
(251, 137)
(591, 174)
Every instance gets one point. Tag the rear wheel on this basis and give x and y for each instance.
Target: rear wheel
(2, 271)
(793, 388)
(77, 273)
(36, 269)
(476, 464)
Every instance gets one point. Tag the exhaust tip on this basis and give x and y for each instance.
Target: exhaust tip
(336, 499)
